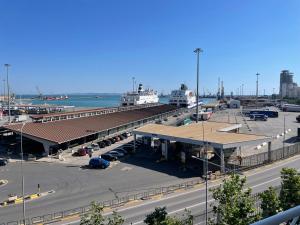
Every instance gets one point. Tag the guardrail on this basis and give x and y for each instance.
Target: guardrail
(117, 202)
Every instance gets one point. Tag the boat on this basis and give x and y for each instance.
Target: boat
(139, 97)
(183, 97)
(52, 98)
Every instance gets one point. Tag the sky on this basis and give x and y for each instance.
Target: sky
(80, 46)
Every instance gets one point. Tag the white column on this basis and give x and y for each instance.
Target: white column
(134, 140)
(222, 160)
(269, 151)
(164, 149)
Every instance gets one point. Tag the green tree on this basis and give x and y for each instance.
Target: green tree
(270, 203)
(234, 204)
(157, 217)
(160, 217)
(290, 188)
(95, 217)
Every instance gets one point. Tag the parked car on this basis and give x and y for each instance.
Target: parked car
(98, 162)
(89, 149)
(81, 152)
(166, 119)
(95, 146)
(258, 117)
(112, 140)
(117, 138)
(3, 162)
(121, 150)
(116, 153)
(128, 148)
(298, 118)
(107, 142)
(101, 144)
(124, 135)
(109, 157)
(121, 137)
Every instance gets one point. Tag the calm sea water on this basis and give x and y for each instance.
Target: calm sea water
(86, 100)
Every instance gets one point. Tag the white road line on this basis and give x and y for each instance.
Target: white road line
(178, 210)
(184, 193)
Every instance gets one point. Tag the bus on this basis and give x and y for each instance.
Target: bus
(268, 113)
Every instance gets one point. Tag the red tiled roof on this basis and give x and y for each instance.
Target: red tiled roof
(67, 130)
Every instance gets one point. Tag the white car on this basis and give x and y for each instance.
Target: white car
(95, 146)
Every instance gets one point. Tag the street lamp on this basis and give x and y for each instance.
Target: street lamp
(206, 176)
(22, 173)
(197, 51)
(8, 96)
(257, 74)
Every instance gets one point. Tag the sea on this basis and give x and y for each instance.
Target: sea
(86, 100)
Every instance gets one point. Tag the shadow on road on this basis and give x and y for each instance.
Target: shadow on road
(149, 159)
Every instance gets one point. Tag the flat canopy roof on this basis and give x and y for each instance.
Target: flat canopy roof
(63, 131)
(214, 132)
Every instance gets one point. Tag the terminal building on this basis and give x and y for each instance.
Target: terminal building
(221, 140)
(52, 132)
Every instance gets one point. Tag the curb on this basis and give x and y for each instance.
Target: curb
(19, 200)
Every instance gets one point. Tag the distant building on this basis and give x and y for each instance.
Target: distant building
(287, 87)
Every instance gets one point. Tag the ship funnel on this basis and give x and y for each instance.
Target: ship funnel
(183, 87)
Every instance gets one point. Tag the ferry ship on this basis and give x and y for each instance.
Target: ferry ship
(139, 97)
(183, 97)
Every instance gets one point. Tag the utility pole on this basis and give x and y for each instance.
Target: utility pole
(133, 78)
(283, 133)
(219, 92)
(4, 92)
(22, 173)
(257, 74)
(8, 96)
(242, 89)
(197, 51)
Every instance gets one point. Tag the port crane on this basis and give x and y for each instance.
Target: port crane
(40, 95)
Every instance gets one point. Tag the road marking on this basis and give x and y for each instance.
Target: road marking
(254, 186)
(178, 210)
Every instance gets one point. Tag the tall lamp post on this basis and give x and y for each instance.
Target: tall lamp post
(8, 96)
(257, 74)
(242, 89)
(197, 51)
(22, 173)
(3, 94)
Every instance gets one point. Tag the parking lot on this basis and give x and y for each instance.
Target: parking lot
(273, 127)
(74, 185)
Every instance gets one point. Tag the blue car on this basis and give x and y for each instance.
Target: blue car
(96, 163)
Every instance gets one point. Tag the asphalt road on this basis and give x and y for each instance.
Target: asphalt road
(75, 186)
(194, 199)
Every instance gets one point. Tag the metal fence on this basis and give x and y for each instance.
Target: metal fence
(200, 217)
(57, 216)
(262, 158)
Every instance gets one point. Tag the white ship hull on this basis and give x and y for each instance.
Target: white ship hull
(139, 97)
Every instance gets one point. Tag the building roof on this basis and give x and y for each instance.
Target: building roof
(66, 130)
(40, 116)
(214, 132)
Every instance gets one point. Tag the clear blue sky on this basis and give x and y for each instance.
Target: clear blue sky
(66, 46)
